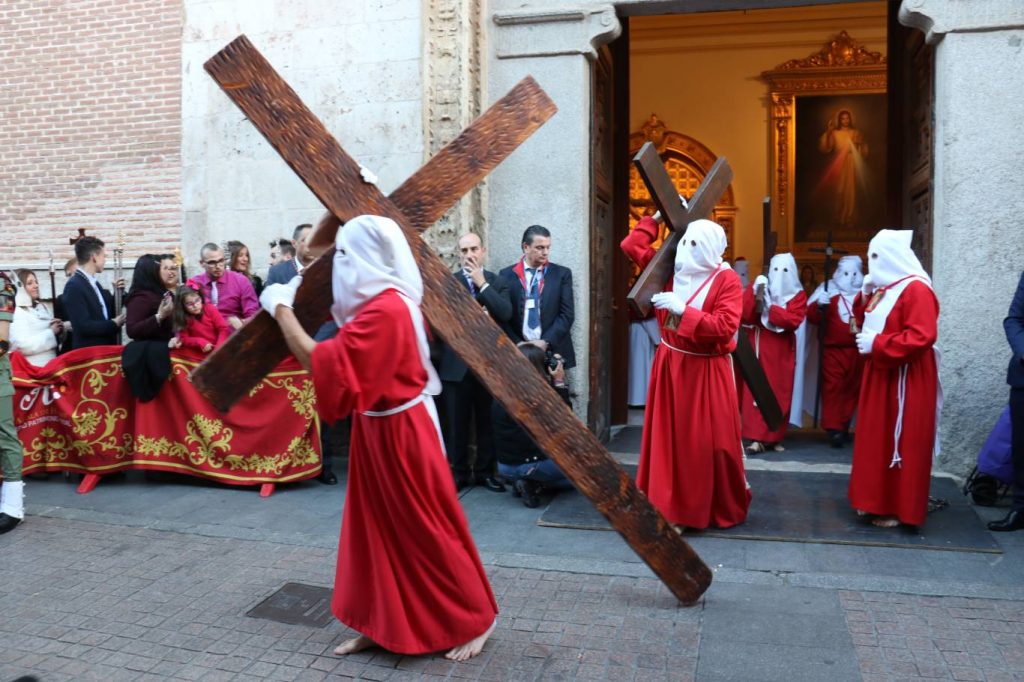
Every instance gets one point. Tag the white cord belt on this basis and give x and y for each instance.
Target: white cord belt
(395, 410)
(687, 352)
(901, 398)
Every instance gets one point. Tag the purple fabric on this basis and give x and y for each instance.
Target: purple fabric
(235, 295)
(994, 458)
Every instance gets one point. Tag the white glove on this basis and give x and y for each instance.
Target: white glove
(280, 294)
(682, 202)
(667, 300)
(865, 340)
(760, 280)
(868, 286)
(819, 296)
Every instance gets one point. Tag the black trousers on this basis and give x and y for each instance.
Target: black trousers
(467, 403)
(1017, 444)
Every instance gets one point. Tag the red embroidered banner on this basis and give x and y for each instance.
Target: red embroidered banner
(78, 414)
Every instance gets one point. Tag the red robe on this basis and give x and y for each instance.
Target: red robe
(777, 352)
(842, 366)
(691, 456)
(408, 574)
(907, 341)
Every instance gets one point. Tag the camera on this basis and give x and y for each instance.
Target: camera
(550, 360)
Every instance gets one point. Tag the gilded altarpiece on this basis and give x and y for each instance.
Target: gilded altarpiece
(687, 162)
(827, 130)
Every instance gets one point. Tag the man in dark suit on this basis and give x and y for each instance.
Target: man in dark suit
(282, 272)
(466, 400)
(1014, 327)
(89, 306)
(61, 312)
(541, 296)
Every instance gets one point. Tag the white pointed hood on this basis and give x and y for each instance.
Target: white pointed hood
(698, 256)
(890, 258)
(783, 284)
(371, 256)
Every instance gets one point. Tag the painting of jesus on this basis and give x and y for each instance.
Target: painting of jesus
(840, 167)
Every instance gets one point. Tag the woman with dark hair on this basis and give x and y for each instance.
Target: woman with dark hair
(520, 460)
(240, 261)
(149, 305)
(34, 332)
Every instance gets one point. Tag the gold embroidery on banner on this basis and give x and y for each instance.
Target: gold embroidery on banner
(209, 443)
(92, 414)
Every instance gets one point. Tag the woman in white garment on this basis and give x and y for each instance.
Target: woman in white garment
(35, 333)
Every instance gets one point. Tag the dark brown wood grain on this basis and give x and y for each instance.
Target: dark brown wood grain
(701, 205)
(506, 373)
(252, 352)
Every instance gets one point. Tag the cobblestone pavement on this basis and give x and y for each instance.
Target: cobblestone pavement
(89, 601)
(899, 636)
(86, 600)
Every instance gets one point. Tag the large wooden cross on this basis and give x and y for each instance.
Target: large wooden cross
(658, 272)
(303, 141)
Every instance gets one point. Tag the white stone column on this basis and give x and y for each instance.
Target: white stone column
(547, 180)
(978, 204)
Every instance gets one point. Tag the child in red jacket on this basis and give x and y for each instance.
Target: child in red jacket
(197, 325)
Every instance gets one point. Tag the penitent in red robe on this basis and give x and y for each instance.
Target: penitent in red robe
(842, 366)
(691, 456)
(777, 352)
(408, 574)
(907, 342)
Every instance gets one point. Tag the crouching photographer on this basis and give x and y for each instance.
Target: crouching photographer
(520, 461)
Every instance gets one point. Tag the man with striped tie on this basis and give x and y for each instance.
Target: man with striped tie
(541, 295)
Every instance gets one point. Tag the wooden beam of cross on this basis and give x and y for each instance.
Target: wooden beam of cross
(657, 273)
(334, 178)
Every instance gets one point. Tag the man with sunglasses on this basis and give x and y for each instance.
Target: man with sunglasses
(230, 292)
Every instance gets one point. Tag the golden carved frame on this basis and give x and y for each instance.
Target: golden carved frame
(842, 66)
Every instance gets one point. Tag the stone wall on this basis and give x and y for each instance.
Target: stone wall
(979, 201)
(355, 63)
(90, 126)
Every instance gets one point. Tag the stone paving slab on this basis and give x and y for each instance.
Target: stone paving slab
(898, 636)
(91, 601)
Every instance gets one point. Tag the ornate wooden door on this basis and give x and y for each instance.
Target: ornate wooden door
(911, 128)
(602, 244)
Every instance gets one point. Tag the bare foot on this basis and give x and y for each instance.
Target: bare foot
(351, 646)
(886, 522)
(471, 648)
(679, 529)
(755, 447)
(778, 447)
(861, 512)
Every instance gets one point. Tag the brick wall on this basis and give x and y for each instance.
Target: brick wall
(90, 125)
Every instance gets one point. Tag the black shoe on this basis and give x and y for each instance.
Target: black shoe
(529, 491)
(836, 438)
(1013, 521)
(327, 478)
(461, 484)
(491, 483)
(7, 523)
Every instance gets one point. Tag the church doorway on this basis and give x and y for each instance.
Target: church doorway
(758, 85)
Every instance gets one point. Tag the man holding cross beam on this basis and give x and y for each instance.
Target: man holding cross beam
(408, 576)
(691, 456)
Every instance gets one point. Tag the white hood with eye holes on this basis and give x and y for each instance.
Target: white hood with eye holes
(783, 285)
(698, 257)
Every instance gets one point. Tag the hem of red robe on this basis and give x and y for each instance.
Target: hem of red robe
(467, 634)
